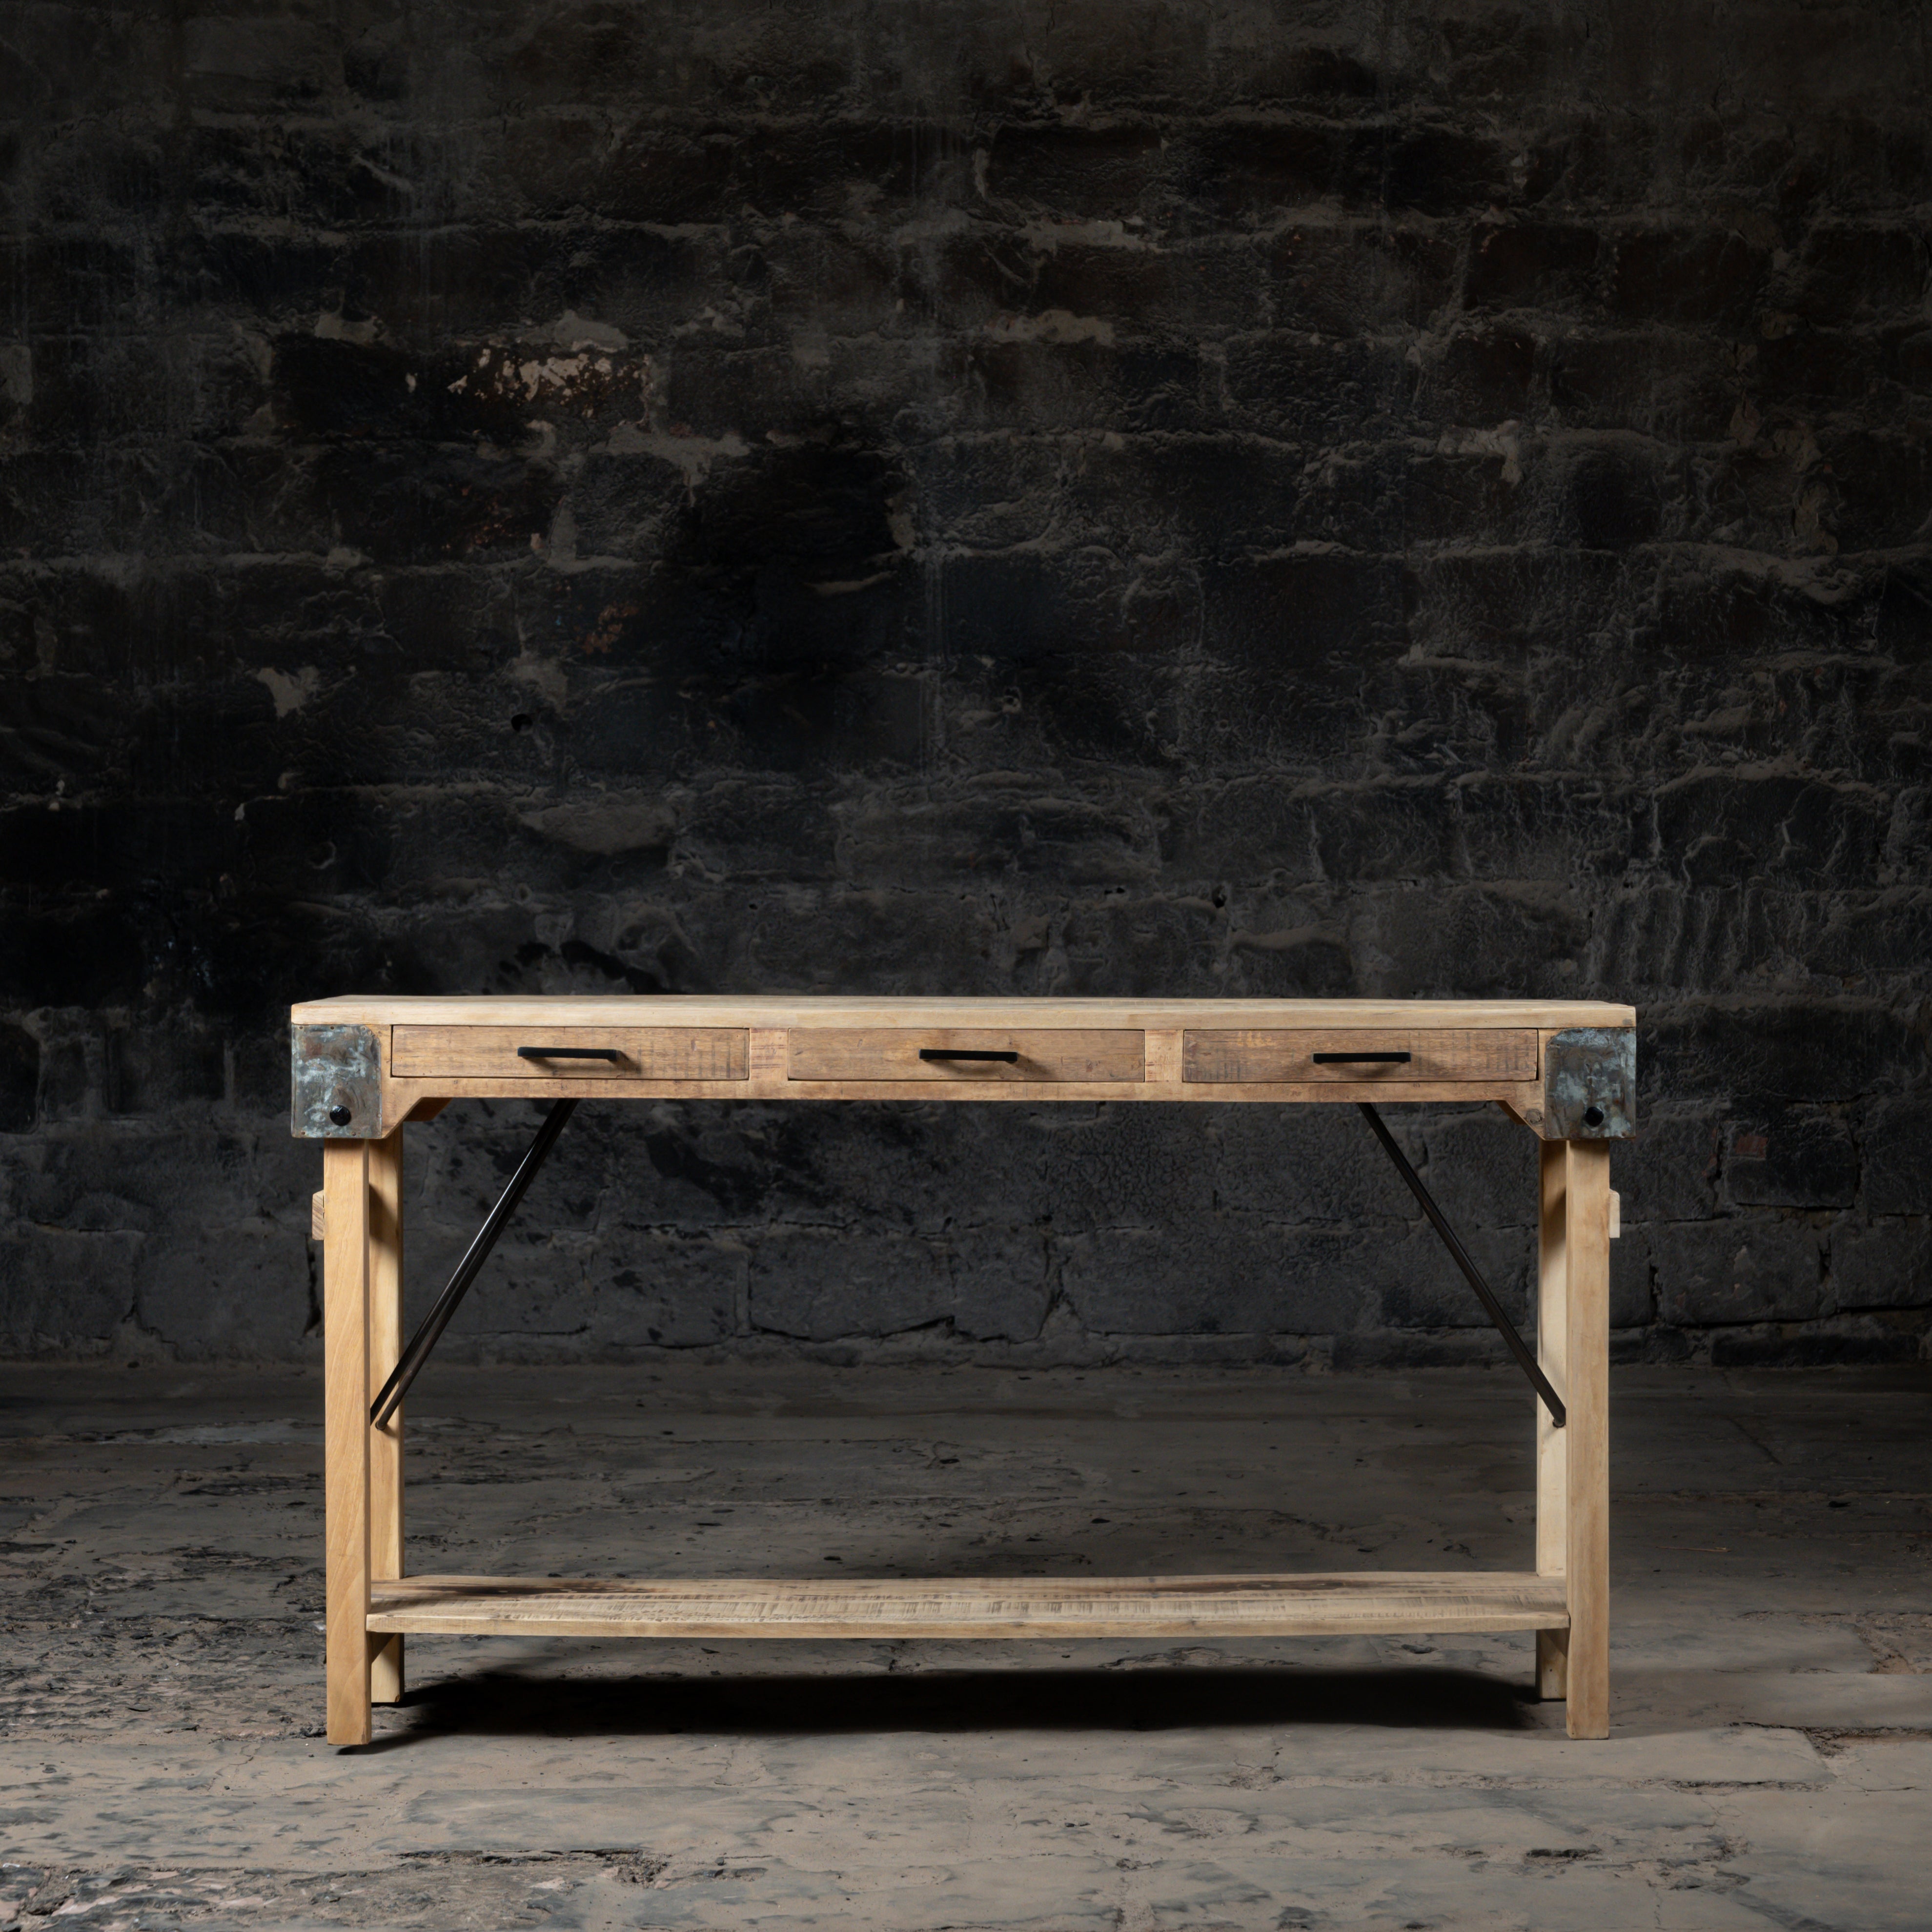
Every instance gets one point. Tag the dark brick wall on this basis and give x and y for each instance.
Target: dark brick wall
(1128, 496)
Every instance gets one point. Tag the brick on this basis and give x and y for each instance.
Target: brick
(1310, 609)
(1712, 277)
(1008, 830)
(1108, 945)
(1669, 1171)
(1438, 170)
(1633, 1277)
(19, 1079)
(1482, 1169)
(1245, 168)
(1223, 1280)
(1209, 496)
(1518, 826)
(1782, 1050)
(1612, 496)
(240, 1291)
(1736, 1270)
(1111, 171)
(1316, 1165)
(1880, 477)
(1799, 1159)
(1288, 385)
(1483, 375)
(1843, 1344)
(1505, 939)
(1244, 828)
(1881, 1264)
(1430, 1291)
(64, 1293)
(1530, 265)
(1656, 383)
(1896, 1143)
(821, 1284)
(1384, 831)
(1847, 272)
(665, 1291)
(155, 1068)
(1347, 279)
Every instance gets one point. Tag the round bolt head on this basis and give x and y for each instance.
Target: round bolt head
(1593, 1116)
(342, 1117)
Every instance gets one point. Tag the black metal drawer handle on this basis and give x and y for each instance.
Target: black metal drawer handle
(609, 1053)
(1351, 1059)
(968, 1053)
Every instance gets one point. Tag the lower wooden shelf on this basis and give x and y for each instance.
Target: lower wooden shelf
(978, 1607)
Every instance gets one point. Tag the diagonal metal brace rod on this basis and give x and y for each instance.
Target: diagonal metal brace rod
(471, 1265)
(1518, 1347)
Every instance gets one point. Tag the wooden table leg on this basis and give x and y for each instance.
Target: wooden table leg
(346, 1433)
(1552, 1646)
(385, 1444)
(1587, 1453)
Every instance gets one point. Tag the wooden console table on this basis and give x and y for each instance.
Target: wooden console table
(364, 1067)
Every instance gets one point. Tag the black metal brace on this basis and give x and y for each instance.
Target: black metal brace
(1518, 1347)
(471, 1265)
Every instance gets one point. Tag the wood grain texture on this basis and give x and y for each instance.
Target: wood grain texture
(1552, 1321)
(793, 1009)
(318, 1217)
(649, 1053)
(1587, 1451)
(1054, 1607)
(1325, 1093)
(1467, 1053)
(1082, 1056)
(385, 1345)
(345, 1348)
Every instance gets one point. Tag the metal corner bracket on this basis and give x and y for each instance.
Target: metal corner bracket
(336, 1083)
(1589, 1084)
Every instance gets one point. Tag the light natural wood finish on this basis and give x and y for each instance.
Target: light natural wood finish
(800, 1010)
(1587, 1452)
(345, 1348)
(650, 1053)
(817, 1047)
(385, 1346)
(1553, 1317)
(318, 1218)
(1161, 1053)
(892, 1053)
(1466, 1053)
(1056, 1606)
(1616, 1215)
(404, 1093)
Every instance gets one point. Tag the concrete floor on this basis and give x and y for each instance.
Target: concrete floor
(160, 1764)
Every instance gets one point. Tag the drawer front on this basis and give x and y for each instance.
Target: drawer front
(644, 1053)
(1440, 1054)
(894, 1053)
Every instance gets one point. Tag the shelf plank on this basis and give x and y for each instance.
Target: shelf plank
(1335, 1605)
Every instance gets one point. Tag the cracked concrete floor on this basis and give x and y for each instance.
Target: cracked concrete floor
(160, 1765)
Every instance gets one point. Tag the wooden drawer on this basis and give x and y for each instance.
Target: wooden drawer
(1440, 1054)
(894, 1053)
(644, 1053)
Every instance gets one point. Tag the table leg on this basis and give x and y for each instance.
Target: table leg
(1552, 1646)
(346, 1433)
(386, 1444)
(1587, 1453)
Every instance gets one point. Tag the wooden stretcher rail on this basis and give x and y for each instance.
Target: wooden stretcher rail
(985, 1607)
